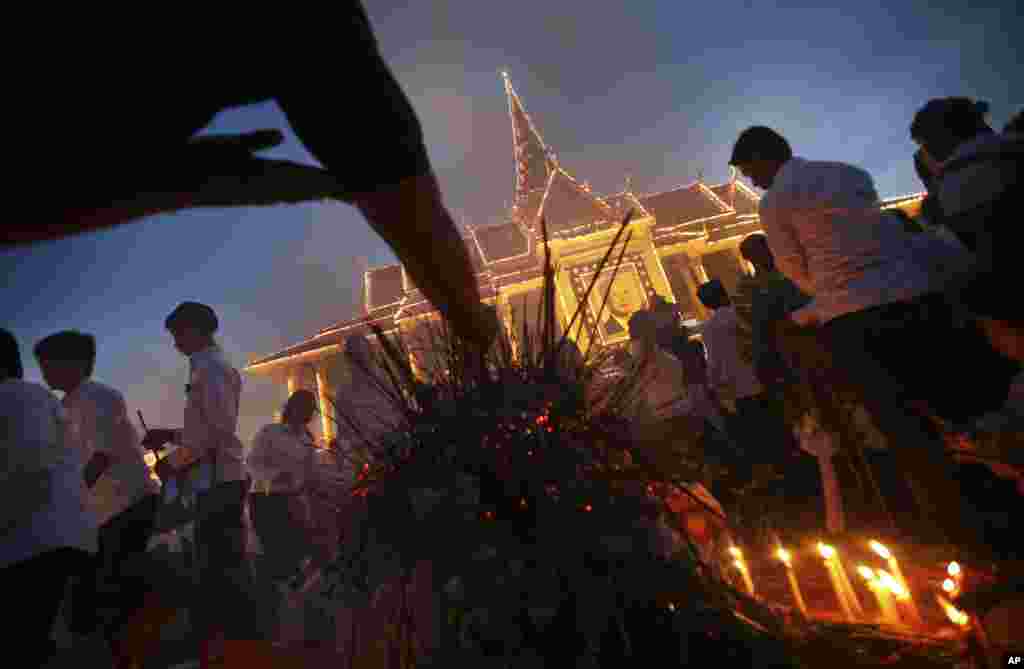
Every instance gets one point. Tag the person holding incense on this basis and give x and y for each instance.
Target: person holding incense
(210, 447)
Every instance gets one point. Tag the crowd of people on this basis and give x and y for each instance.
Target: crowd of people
(858, 326)
(912, 331)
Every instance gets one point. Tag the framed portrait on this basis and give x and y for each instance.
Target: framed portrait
(628, 289)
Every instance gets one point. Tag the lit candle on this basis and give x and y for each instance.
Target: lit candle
(787, 559)
(829, 555)
(742, 567)
(882, 594)
(890, 560)
(955, 615)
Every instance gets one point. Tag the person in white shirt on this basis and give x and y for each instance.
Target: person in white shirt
(208, 437)
(47, 530)
(762, 432)
(122, 494)
(876, 303)
(282, 465)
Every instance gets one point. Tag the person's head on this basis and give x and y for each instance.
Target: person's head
(10, 357)
(66, 359)
(299, 409)
(755, 250)
(192, 325)
(713, 295)
(642, 331)
(943, 124)
(759, 154)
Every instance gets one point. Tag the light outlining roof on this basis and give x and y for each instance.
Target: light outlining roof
(537, 174)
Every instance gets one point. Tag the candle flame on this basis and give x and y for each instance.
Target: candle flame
(784, 555)
(827, 552)
(866, 572)
(955, 615)
(953, 569)
(892, 584)
(882, 551)
(949, 585)
(736, 553)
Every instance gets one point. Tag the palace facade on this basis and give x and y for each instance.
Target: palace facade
(680, 239)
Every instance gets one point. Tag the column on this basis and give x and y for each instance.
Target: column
(326, 407)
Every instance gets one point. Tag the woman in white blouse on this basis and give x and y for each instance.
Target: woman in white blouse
(282, 464)
(47, 529)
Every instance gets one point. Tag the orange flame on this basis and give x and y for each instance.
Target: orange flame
(827, 552)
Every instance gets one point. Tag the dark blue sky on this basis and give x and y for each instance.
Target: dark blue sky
(656, 90)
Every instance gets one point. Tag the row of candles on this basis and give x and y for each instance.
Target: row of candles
(888, 586)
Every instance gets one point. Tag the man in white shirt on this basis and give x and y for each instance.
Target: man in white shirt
(876, 303)
(122, 494)
(47, 530)
(759, 413)
(208, 440)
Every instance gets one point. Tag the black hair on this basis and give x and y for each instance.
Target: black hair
(193, 314)
(641, 324)
(713, 295)
(68, 346)
(944, 123)
(760, 142)
(755, 238)
(10, 357)
(293, 400)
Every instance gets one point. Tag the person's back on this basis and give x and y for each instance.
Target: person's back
(50, 512)
(823, 221)
(98, 422)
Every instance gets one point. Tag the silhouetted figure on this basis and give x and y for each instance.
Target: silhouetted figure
(977, 188)
(128, 148)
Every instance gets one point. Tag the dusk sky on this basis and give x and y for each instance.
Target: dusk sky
(658, 90)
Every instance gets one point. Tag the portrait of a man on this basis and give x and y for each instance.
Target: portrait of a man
(626, 296)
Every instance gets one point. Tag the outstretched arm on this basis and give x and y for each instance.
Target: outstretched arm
(374, 145)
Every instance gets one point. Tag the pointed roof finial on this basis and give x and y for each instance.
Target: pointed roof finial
(534, 159)
(629, 183)
(700, 176)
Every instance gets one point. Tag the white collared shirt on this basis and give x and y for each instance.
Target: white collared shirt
(828, 235)
(211, 413)
(728, 373)
(281, 460)
(32, 442)
(98, 422)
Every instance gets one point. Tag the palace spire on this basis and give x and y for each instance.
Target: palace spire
(534, 160)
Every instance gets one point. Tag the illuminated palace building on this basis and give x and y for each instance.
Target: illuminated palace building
(680, 239)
